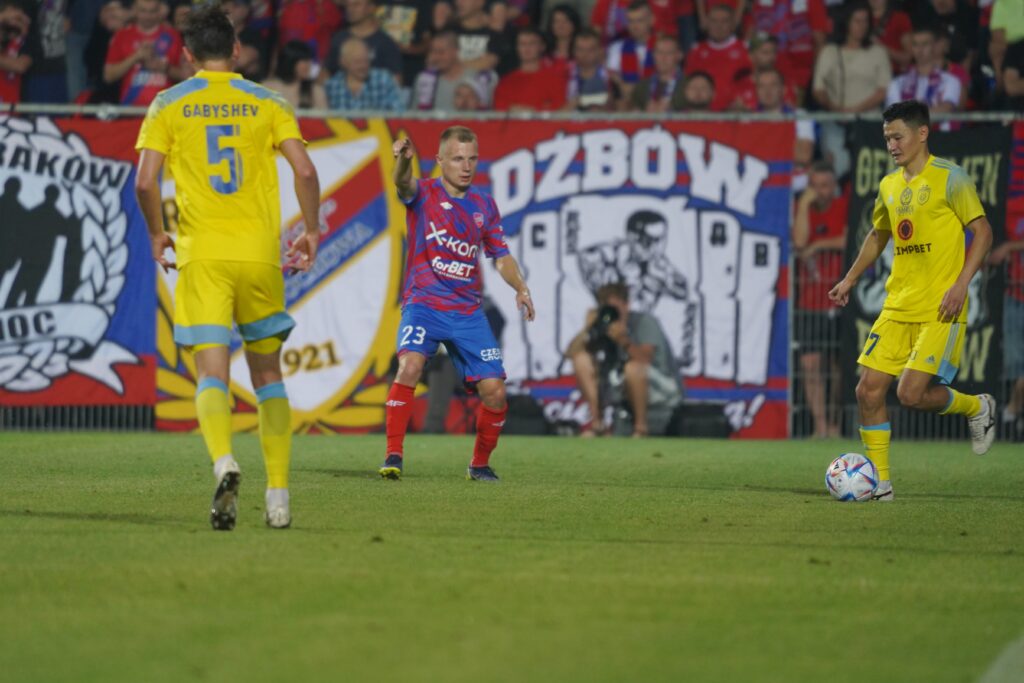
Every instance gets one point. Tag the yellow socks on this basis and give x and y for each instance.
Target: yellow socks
(214, 413)
(876, 444)
(275, 433)
(961, 404)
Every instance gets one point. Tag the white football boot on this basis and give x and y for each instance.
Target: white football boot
(883, 492)
(983, 425)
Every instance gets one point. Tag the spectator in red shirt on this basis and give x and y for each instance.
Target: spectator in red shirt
(533, 86)
(145, 56)
(311, 21)
(819, 238)
(632, 58)
(764, 50)
(723, 56)
(801, 27)
(890, 28)
(14, 61)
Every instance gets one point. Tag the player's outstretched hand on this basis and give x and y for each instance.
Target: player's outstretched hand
(525, 304)
(840, 294)
(952, 303)
(302, 253)
(161, 243)
(402, 147)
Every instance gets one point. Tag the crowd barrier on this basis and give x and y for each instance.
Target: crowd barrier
(692, 212)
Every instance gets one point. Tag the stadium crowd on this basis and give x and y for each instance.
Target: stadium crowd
(528, 55)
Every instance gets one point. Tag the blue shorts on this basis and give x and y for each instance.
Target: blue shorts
(468, 337)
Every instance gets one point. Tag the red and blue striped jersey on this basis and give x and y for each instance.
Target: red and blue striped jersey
(445, 236)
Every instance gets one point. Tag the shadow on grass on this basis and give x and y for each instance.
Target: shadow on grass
(109, 517)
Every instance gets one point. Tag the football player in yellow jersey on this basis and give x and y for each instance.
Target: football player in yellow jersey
(219, 135)
(924, 206)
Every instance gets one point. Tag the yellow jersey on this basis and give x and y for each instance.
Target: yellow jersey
(926, 217)
(220, 134)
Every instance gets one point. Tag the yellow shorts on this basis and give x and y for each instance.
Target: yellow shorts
(211, 294)
(932, 347)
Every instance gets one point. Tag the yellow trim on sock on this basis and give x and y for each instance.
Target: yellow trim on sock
(963, 404)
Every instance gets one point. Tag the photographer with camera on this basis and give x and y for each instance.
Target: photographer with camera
(14, 61)
(621, 358)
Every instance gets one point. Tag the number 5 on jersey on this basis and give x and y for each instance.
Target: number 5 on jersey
(408, 331)
(217, 154)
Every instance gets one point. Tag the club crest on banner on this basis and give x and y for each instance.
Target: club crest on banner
(345, 307)
(63, 257)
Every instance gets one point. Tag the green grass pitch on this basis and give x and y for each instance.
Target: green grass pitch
(605, 560)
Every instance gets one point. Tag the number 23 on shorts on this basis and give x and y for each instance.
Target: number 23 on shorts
(413, 335)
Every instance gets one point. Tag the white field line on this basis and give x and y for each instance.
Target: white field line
(1008, 666)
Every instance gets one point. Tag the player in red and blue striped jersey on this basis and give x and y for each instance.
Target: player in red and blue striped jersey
(449, 224)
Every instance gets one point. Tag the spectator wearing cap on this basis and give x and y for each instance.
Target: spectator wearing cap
(590, 86)
(293, 77)
(631, 59)
(763, 55)
(801, 27)
(662, 91)
(360, 87)
(927, 81)
(470, 95)
(434, 88)
(722, 56)
(533, 86)
(851, 76)
(361, 16)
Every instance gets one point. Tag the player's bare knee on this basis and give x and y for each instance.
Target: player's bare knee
(410, 369)
(909, 396)
(493, 394)
(868, 395)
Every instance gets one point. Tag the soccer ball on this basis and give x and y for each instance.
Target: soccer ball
(851, 477)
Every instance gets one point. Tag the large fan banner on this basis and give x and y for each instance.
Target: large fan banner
(982, 154)
(76, 281)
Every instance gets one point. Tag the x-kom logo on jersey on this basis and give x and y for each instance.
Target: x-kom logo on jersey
(436, 234)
